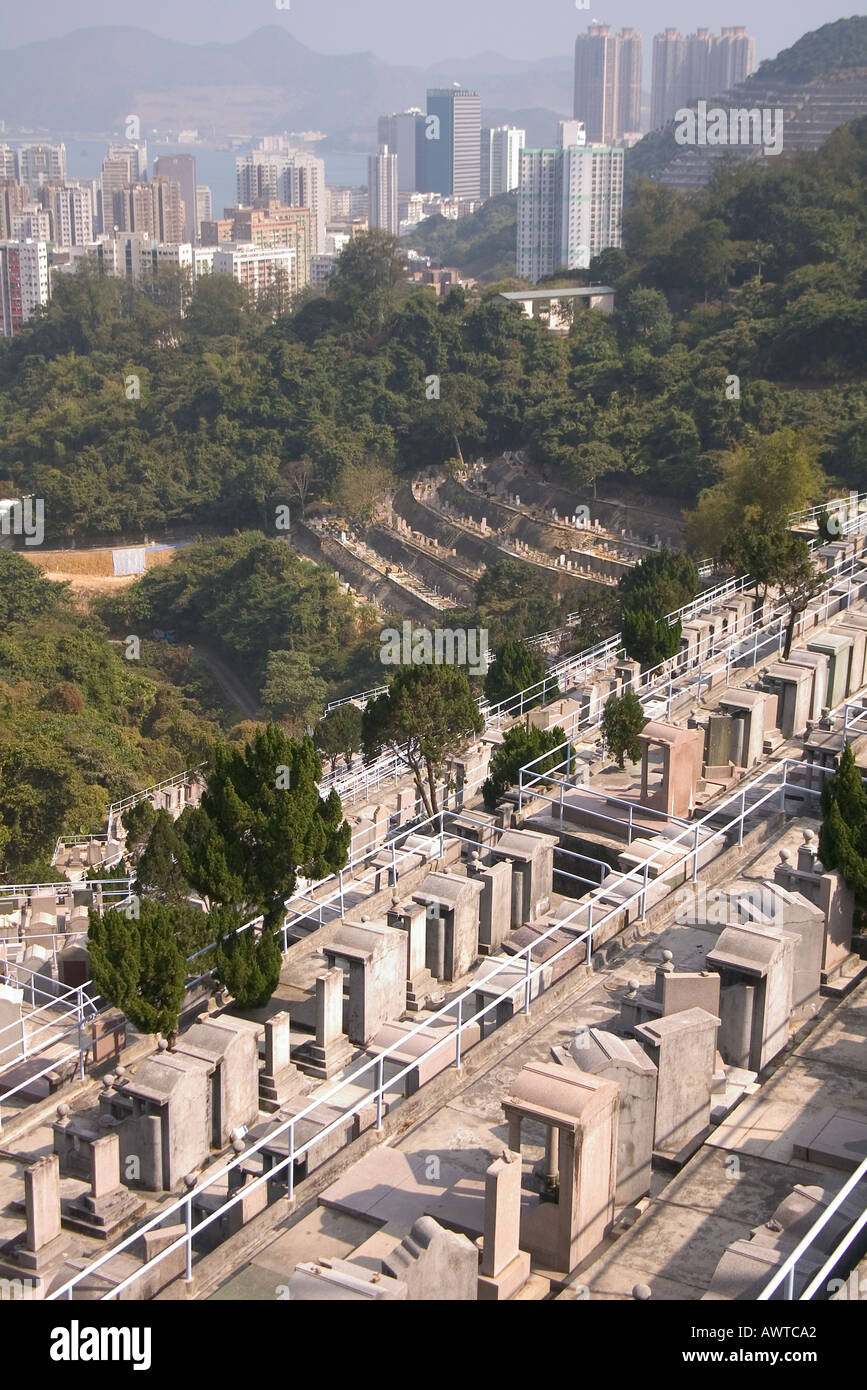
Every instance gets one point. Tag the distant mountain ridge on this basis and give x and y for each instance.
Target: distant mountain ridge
(92, 79)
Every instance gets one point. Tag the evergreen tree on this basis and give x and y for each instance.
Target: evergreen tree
(339, 733)
(843, 837)
(519, 747)
(427, 714)
(261, 819)
(137, 964)
(247, 963)
(516, 668)
(623, 718)
(162, 865)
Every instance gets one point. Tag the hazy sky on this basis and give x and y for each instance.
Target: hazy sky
(421, 32)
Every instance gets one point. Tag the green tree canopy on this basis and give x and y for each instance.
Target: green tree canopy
(137, 964)
(339, 733)
(623, 718)
(519, 747)
(427, 714)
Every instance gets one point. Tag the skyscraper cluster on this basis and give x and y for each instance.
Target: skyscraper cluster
(445, 151)
(608, 83)
(700, 65)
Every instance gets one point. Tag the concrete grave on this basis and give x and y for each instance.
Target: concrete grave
(793, 687)
(672, 790)
(612, 1058)
(341, 1281)
(837, 902)
(233, 1056)
(671, 993)
(109, 1207)
(163, 1119)
(42, 1242)
(819, 663)
(756, 966)
(375, 964)
(280, 1080)
(580, 1114)
(838, 646)
(683, 1047)
(411, 918)
(495, 903)
(505, 1267)
(435, 1264)
(452, 923)
(330, 1051)
(751, 716)
(532, 859)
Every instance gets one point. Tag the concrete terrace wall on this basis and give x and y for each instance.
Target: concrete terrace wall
(427, 567)
(377, 588)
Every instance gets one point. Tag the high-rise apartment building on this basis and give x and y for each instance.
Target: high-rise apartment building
(8, 164)
(382, 190)
(181, 168)
(608, 82)
(700, 65)
(204, 205)
(33, 223)
(13, 199)
(71, 209)
(630, 51)
(270, 224)
(570, 201)
(156, 208)
(500, 166)
(136, 155)
(451, 143)
(24, 283)
(39, 164)
(259, 269)
(402, 132)
(289, 176)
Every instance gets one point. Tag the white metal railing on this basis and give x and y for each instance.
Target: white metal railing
(118, 807)
(360, 699)
(807, 514)
(771, 783)
(788, 1268)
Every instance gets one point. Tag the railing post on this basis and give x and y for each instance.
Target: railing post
(695, 854)
(527, 984)
(458, 1035)
(80, 1020)
(629, 826)
(561, 804)
(442, 834)
(290, 1179)
(741, 822)
(188, 1247)
(590, 932)
(790, 1283)
(379, 1072)
(644, 889)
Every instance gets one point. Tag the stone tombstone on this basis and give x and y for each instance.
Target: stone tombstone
(793, 687)
(672, 992)
(375, 956)
(818, 663)
(579, 1112)
(674, 792)
(838, 647)
(612, 1058)
(838, 906)
(41, 1243)
(109, 1207)
(163, 1119)
(756, 967)
(532, 859)
(858, 663)
(495, 903)
(718, 742)
(280, 1079)
(505, 1267)
(452, 923)
(806, 922)
(233, 1055)
(411, 918)
(329, 1052)
(750, 712)
(683, 1046)
(434, 1264)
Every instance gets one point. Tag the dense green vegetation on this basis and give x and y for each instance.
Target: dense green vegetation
(80, 726)
(258, 601)
(482, 246)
